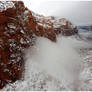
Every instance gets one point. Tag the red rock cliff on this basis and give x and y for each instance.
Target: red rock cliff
(18, 30)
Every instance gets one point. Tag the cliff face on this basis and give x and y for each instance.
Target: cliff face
(18, 30)
(57, 25)
(16, 34)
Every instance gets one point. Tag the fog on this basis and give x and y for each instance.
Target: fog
(60, 60)
(79, 12)
(53, 66)
(50, 65)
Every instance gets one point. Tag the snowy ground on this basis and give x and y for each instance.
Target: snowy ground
(56, 66)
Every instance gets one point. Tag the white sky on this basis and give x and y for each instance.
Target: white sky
(79, 12)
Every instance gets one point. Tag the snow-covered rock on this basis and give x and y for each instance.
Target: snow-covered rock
(18, 30)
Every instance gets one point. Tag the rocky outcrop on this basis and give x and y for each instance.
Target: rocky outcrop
(57, 25)
(18, 30)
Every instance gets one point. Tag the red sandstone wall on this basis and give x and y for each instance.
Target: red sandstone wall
(18, 30)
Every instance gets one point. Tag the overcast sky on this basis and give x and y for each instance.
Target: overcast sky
(79, 12)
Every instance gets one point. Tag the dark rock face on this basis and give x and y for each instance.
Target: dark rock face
(18, 30)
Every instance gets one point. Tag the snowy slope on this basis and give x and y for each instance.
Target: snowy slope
(38, 78)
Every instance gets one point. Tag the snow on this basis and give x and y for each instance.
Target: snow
(56, 66)
(5, 5)
(55, 21)
(11, 25)
(64, 65)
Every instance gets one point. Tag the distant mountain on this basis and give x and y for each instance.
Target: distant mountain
(85, 27)
(85, 32)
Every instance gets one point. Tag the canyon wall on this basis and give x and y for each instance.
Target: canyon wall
(19, 28)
